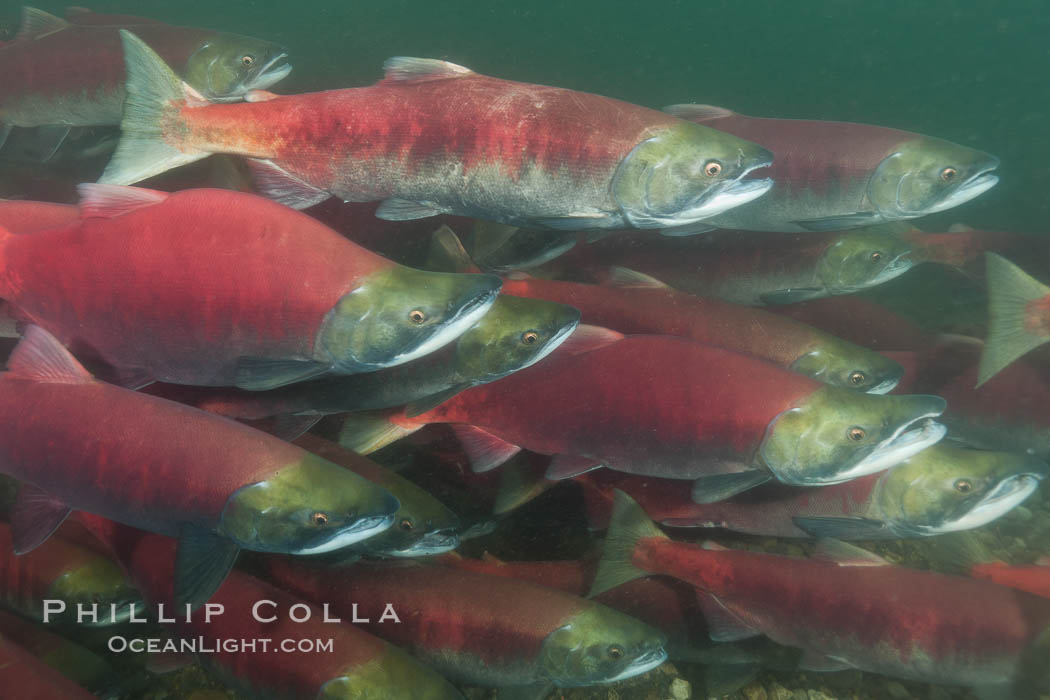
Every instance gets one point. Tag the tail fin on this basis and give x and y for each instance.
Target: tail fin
(629, 523)
(1010, 291)
(154, 95)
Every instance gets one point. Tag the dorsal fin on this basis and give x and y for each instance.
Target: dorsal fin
(405, 69)
(587, 338)
(698, 113)
(107, 201)
(37, 23)
(42, 358)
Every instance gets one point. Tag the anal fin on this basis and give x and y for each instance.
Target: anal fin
(485, 450)
(202, 562)
(568, 466)
(722, 624)
(41, 144)
(396, 209)
(35, 517)
(276, 183)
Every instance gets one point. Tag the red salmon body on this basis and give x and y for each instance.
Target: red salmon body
(255, 612)
(653, 405)
(19, 216)
(886, 619)
(179, 288)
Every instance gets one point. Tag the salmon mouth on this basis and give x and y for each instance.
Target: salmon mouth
(1007, 494)
(272, 72)
(437, 542)
(643, 664)
(977, 185)
(732, 193)
(361, 529)
(908, 440)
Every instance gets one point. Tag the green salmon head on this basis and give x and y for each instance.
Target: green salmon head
(834, 435)
(861, 259)
(400, 314)
(927, 175)
(687, 173)
(945, 489)
(423, 526)
(514, 334)
(100, 582)
(600, 645)
(227, 66)
(390, 674)
(310, 507)
(849, 366)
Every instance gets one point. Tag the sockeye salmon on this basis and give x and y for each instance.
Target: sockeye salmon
(212, 287)
(436, 138)
(837, 175)
(661, 406)
(217, 485)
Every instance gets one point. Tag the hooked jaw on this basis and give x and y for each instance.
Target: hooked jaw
(1008, 494)
(360, 529)
(643, 664)
(977, 185)
(432, 543)
(274, 71)
(908, 440)
(731, 194)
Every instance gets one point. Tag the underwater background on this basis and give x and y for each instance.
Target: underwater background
(972, 73)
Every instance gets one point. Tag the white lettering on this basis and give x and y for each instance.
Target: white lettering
(259, 604)
(53, 607)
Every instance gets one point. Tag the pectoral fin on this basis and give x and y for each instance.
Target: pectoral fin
(840, 223)
(202, 562)
(568, 466)
(427, 403)
(35, 517)
(686, 230)
(711, 489)
(851, 528)
(288, 427)
(264, 373)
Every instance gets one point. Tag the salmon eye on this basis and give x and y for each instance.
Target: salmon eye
(876, 256)
(320, 519)
(417, 316)
(949, 174)
(712, 168)
(405, 524)
(247, 61)
(615, 652)
(856, 434)
(530, 337)
(963, 486)
(856, 378)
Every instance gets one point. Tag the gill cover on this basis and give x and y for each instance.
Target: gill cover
(927, 175)
(686, 173)
(400, 313)
(834, 435)
(310, 507)
(600, 645)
